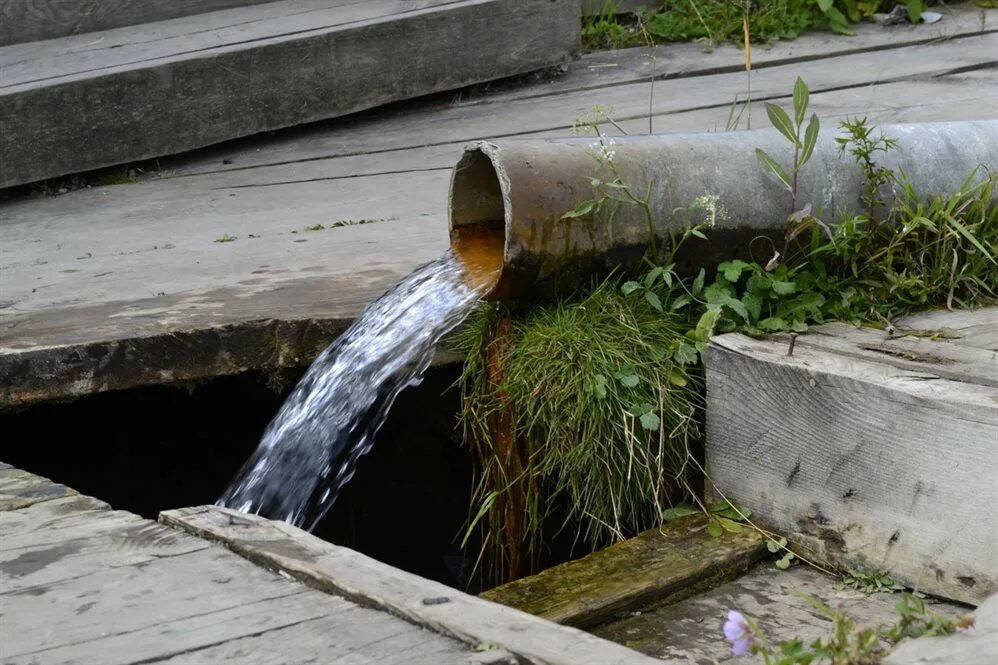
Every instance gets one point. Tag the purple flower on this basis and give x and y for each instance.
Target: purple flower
(737, 631)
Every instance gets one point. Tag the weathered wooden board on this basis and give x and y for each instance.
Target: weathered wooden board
(91, 542)
(690, 631)
(393, 644)
(978, 646)
(114, 287)
(31, 20)
(443, 122)
(650, 568)
(19, 489)
(424, 602)
(141, 92)
(117, 589)
(975, 328)
(683, 60)
(860, 462)
(944, 357)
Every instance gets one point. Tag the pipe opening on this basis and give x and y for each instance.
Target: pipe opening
(478, 219)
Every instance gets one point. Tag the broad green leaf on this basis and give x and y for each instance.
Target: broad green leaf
(682, 510)
(628, 380)
(629, 287)
(810, 139)
(737, 307)
(680, 302)
(915, 9)
(825, 5)
(697, 287)
(782, 122)
(652, 275)
(677, 377)
(773, 324)
(769, 165)
(759, 283)
(784, 288)
(783, 563)
(801, 97)
(599, 386)
(653, 300)
(580, 210)
(772, 546)
(650, 421)
(714, 529)
(730, 526)
(732, 270)
(705, 326)
(753, 304)
(686, 354)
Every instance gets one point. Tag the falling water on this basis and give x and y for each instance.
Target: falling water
(311, 448)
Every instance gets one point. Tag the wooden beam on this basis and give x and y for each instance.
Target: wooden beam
(160, 89)
(653, 567)
(864, 460)
(430, 604)
(32, 20)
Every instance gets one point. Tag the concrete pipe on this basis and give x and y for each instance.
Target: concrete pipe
(507, 198)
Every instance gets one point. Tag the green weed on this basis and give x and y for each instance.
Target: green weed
(716, 21)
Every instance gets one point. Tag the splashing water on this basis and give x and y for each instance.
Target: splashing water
(311, 448)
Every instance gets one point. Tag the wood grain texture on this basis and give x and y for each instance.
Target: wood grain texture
(426, 603)
(650, 568)
(691, 630)
(32, 20)
(19, 489)
(973, 328)
(861, 463)
(86, 585)
(121, 286)
(272, 76)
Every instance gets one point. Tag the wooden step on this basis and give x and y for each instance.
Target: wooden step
(868, 451)
(32, 20)
(87, 101)
(654, 567)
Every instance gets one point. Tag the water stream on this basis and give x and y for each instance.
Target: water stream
(311, 448)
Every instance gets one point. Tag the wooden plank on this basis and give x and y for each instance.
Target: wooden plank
(31, 20)
(860, 463)
(426, 603)
(942, 357)
(370, 641)
(652, 567)
(276, 71)
(20, 489)
(439, 123)
(128, 314)
(683, 60)
(32, 566)
(138, 597)
(691, 631)
(974, 328)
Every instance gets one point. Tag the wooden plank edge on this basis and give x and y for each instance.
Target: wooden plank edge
(21, 489)
(72, 371)
(716, 560)
(937, 357)
(429, 604)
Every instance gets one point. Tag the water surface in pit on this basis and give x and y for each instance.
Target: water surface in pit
(311, 448)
